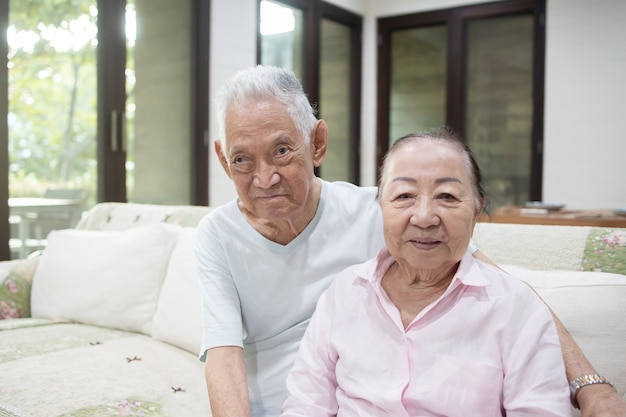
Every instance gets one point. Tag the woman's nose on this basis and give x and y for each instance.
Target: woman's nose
(424, 213)
(265, 176)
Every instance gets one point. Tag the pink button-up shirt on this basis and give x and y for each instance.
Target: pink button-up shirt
(487, 347)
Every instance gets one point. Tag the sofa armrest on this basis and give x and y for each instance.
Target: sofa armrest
(16, 278)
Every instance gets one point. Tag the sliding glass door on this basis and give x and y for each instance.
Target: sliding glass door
(106, 101)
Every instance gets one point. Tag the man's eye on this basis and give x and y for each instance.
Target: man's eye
(238, 160)
(282, 150)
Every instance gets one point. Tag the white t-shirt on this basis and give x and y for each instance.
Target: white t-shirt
(261, 295)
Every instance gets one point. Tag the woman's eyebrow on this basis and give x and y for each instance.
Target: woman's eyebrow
(407, 179)
(448, 179)
(438, 180)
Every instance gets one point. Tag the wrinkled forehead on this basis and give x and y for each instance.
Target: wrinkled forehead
(258, 121)
(422, 149)
(420, 152)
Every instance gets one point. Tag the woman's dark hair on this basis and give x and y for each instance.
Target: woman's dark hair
(448, 136)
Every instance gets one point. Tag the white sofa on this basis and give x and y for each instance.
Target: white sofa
(107, 321)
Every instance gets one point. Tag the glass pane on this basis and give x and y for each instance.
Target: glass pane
(282, 36)
(52, 117)
(499, 104)
(159, 114)
(418, 80)
(335, 95)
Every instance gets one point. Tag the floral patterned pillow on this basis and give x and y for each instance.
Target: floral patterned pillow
(605, 251)
(15, 288)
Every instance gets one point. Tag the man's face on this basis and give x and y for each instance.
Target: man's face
(269, 161)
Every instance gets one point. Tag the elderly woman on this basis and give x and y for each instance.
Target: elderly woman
(425, 329)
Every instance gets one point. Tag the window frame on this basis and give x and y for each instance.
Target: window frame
(314, 11)
(455, 19)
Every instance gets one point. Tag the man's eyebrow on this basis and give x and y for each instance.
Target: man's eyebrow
(279, 140)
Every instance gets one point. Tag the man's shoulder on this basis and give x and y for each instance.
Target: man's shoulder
(345, 200)
(220, 213)
(347, 192)
(350, 187)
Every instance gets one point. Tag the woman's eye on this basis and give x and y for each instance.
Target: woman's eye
(448, 197)
(403, 196)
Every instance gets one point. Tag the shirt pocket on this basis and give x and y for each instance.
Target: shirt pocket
(462, 387)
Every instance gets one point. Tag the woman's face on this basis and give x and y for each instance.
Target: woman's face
(428, 204)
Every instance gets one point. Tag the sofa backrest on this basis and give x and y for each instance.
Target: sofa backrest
(120, 216)
(544, 247)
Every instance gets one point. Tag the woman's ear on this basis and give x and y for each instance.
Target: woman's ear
(319, 142)
(480, 209)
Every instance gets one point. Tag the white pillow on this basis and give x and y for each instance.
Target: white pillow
(105, 278)
(177, 319)
(592, 307)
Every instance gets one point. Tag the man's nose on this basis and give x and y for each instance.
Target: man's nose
(266, 175)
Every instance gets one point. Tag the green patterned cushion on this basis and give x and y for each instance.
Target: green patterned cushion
(605, 250)
(15, 284)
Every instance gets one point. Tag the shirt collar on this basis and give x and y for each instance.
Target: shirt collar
(469, 272)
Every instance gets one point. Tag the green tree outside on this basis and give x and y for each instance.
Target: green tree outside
(52, 96)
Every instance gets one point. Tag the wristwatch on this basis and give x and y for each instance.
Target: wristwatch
(576, 384)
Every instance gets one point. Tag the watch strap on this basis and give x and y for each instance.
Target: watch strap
(591, 379)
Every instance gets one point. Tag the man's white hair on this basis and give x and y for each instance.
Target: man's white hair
(266, 83)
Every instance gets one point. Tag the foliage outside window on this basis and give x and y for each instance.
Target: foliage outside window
(52, 96)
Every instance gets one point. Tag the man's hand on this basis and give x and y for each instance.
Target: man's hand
(600, 400)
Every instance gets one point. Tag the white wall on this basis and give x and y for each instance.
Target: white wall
(585, 148)
(233, 47)
(585, 103)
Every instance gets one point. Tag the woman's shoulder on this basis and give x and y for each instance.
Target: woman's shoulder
(504, 283)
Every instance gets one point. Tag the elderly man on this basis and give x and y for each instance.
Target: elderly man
(265, 258)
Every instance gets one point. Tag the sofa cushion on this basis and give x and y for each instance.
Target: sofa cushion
(605, 250)
(105, 278)
(16, 278)
(592, 308)
(177, 319)
(70, 369)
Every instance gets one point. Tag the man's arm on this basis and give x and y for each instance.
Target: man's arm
(225, 372)
(599, 400)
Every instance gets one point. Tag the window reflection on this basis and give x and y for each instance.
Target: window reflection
(418, 80)
(499, 104)
(281, 36)
(335, 96)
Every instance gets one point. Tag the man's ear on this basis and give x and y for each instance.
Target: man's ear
(217, 146)
(319, 142)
